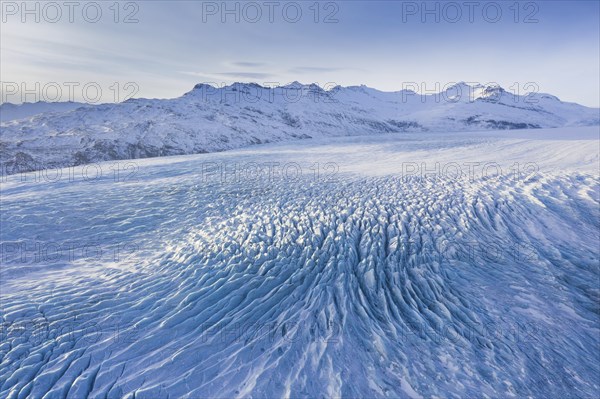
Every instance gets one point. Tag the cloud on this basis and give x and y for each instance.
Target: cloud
(305, 69)
(249, 75)
(228, 75)
(244, 64)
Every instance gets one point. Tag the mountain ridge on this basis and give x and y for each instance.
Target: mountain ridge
(210, 118)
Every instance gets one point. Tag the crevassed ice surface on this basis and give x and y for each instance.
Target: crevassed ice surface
(359, 277)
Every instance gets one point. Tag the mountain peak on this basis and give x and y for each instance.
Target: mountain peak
(200, 86)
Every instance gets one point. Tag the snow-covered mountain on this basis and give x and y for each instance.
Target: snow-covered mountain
(209, 119)
(9, 112)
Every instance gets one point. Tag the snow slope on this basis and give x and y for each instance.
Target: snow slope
(326, 268)
(10, 112)
(209, 119)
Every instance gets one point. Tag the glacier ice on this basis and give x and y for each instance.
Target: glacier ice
(368, 283)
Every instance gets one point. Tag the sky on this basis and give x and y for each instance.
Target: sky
(108, 51)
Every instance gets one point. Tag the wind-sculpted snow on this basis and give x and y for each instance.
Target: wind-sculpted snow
(210, 119)
(178, 284)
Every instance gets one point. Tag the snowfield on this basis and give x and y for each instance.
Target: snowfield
(413, 265)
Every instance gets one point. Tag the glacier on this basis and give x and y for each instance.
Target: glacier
(416, 265)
